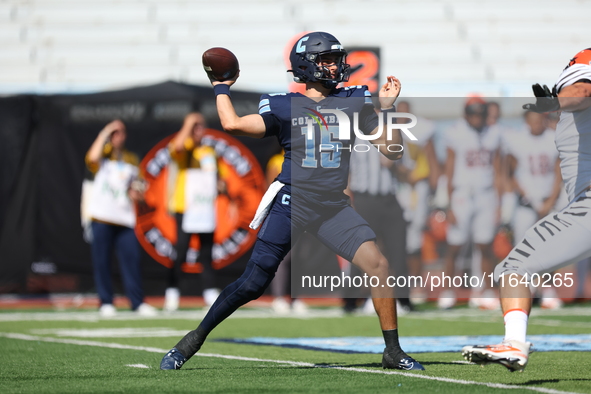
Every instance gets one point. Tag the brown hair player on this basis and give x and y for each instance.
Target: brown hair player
(308, 194)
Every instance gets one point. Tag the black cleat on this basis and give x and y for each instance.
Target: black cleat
(405, 363)
(172, 360)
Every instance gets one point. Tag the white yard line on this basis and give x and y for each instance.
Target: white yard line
(267, 313)
(194, 315)
(285, 362)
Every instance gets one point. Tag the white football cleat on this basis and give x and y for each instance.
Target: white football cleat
(299, 307)
(550, 299)
(146, 310)
(551, 303)
(368, 308)
(107, 310)
(172, 297)
(210, 295)
(280, 306)
(447, 299)
(511, 354)
(486, 301)
(418, 297)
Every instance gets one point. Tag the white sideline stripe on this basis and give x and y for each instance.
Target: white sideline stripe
(292, 363)
(254, 313)
(137, 366)
(266, 313)
(80, 342)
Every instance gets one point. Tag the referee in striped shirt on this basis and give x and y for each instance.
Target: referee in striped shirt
(373, 186)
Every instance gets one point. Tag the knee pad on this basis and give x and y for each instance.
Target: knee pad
(268, 255)
(254, 282)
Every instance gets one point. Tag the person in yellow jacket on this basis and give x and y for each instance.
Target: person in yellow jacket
(193, 205)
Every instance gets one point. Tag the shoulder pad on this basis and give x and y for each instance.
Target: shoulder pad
(264, 104)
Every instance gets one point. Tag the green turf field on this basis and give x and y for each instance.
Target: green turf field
(76, 352)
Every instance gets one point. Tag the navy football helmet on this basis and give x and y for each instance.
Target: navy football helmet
(307, 53)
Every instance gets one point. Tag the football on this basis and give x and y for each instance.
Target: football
(220, 64)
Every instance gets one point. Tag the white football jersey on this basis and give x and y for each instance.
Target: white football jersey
(474, 155)
(573, 137)
(536, 157)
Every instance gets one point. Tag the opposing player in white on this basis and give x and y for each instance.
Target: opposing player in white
(473, 173)
(535, 182)
(534, 172)
(559, 238)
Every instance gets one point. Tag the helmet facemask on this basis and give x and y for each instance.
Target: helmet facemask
(307, 55)
(323, 73)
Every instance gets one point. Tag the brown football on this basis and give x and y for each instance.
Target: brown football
(220, 64)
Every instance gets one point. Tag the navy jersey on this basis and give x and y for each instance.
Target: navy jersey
(315, 158)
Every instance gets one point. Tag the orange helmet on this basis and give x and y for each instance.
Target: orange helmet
(583, 57)
(475, 105)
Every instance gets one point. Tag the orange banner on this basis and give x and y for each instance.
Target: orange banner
(245, 182)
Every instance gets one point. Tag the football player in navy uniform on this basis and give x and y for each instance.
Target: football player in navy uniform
(308, 194)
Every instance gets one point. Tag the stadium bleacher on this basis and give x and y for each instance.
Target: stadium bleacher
(436, 47)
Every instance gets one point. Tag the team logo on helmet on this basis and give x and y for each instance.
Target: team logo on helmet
(308, 52)
(583, 57)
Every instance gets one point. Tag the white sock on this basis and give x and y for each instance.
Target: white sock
(515, 325)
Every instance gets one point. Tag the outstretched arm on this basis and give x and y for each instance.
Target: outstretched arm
(178, 142)
(571, 98)
(575, 97)
(387, 96)
(249, 125)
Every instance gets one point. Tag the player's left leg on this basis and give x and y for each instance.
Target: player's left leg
(513, 351)
(555, 241)
(348, 234)
(369, 258)
(257, 276)
(273, 243)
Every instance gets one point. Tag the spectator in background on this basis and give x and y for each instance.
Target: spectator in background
(473, 174)
(193, 205)
(116, 188)
(493, 113)
(535, 182)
